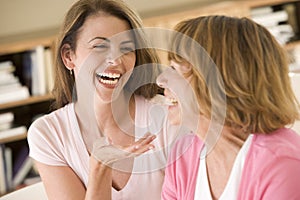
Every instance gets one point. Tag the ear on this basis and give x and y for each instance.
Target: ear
(186, 67)
(67, 56)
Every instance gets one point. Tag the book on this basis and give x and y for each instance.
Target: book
(6, 126)
(271, 19)
(38, 77)
(19, 93)
(2, 170)
(27, 70)
(8, 78)
(21, 166)
(6, 65)
(11, 86)
(8, 168)
(261, 10)
(23, 171)
(6, 120)
(49, 71)
(13, 132)
(6, 117)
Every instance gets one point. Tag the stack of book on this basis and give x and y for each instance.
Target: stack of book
(275, 21)
(8, 128)
(17, 170)
(10, 86)
(8, 176)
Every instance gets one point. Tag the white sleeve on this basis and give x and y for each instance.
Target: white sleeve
(44, 143)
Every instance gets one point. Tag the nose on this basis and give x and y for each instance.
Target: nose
(114, 61)
(114, 58)
(162, 81)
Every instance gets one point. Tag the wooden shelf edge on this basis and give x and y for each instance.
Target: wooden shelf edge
(13, 138)
(28, 101)
(26, 45)
(292, 45)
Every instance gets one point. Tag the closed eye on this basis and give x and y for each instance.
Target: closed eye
(126, 50)
(101, 46)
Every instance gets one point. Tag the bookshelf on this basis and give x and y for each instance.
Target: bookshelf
(239, 9)
(26, 109)
(15, 47)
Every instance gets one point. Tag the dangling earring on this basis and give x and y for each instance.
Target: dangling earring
(71, 72)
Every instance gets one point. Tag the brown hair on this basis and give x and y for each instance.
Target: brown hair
(253, 67)
(74, 19)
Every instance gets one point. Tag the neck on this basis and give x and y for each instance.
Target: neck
(105, 118)
(226, 144)
(119, 113)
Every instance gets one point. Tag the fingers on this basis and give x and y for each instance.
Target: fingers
(142, 145)
(106, 152)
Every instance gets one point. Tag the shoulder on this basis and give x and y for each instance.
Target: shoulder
(273, 164)
(51, 127)
(283, 142)
(48, 136)
(186, 149)
(276, 154)
(55, 118)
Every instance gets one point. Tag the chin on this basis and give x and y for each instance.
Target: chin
(174, 119)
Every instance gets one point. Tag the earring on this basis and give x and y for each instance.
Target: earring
(71, 72)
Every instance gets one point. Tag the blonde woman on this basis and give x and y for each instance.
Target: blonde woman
(241, 146)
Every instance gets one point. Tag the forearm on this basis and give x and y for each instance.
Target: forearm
(100, 181)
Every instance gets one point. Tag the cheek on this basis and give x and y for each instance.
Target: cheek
(129, 61)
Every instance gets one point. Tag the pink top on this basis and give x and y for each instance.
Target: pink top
(271, 169)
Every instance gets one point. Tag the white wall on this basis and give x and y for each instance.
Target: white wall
(25, 16)
(295, 80)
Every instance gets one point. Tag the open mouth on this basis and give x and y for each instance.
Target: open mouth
(161, 99)
(108, 78)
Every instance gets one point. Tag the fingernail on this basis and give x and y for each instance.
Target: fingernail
(152, 136)
(147, 134)
(151, 147)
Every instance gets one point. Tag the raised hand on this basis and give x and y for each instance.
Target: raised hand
(108, 153)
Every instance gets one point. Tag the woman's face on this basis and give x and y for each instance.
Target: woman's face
(176, 89)
(104, 55)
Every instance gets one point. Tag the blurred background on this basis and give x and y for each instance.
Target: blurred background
(19, 17)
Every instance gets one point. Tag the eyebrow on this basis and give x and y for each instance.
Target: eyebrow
(100, 38)
(106, 39)
(128, 41)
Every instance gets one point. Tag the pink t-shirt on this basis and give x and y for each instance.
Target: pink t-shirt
(271, 169)
(55, 139)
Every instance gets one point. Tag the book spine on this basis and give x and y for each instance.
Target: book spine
(14, 95)
(38, 71)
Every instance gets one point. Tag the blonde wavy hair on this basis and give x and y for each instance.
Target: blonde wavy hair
(253, 67)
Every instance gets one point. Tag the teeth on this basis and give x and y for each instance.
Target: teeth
(160, 99)
(109, 75)
(109, 81)
(108, 78)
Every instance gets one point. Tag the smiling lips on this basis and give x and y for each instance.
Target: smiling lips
(108, 78)
(163, 100)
